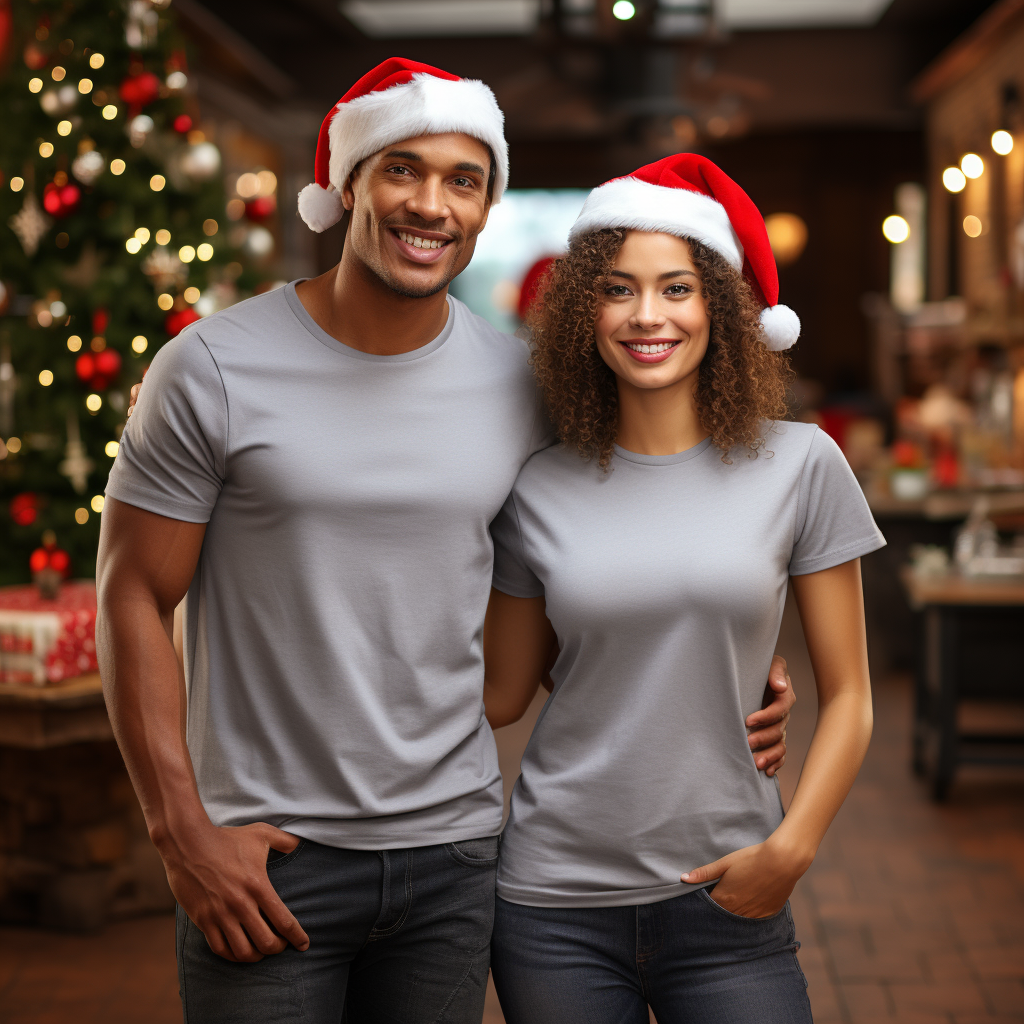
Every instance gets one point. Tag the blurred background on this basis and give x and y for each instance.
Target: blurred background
(149, 163)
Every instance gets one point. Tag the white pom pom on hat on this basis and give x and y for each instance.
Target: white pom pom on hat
(687, 195)
(399, 99)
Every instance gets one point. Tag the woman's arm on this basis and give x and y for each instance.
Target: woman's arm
(518, 640)
(757, 881)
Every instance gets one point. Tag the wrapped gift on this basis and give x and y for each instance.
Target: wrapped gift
(44, 641)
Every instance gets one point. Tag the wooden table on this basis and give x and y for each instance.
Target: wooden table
(971, 645)
(38, 717)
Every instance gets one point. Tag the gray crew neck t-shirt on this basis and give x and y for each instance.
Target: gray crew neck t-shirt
(665, 581)
(333, 627)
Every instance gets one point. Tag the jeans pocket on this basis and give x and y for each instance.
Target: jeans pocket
(770, 919)
(277, 859)
(482, 853)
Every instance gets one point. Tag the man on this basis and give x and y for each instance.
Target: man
(318, 468)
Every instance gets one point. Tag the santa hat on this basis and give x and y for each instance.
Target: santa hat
(689, 196)
(397, 100)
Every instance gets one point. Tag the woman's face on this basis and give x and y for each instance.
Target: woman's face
(652, 325)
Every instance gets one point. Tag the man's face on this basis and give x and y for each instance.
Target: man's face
(417, 207)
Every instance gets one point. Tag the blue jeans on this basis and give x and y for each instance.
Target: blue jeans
(394, 936)
(688, 958)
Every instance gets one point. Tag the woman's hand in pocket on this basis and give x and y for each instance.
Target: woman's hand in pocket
(755, 881)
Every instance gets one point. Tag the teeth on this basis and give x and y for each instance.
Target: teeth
(420, 243)
(662, 346)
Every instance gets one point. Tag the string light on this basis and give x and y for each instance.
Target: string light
(93, 402)
(142, 234)
(58, 73)
(210, 227)
(205, 252)
(97, 503)
(109, 112)
(85, 86)
(64, 128)
(953, 179)
(35, 84)
(157, 182)
(111, 449)
(14, 445)
(81, 516)
(45, 378)
(1002, 142)
(972, 226)
(623, 10)
(96, 61)
(139, 344)
(133, 245)
(117, 166)
(165, 300)
(163, 236)
(46, 149)
(191, 295)
(186, 254)
(74, 343)
(17, 184)
(972, 165)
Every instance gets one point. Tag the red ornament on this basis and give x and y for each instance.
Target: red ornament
(49, 564)
(100, 320)
(179, 319)
(61, 200)
(108, 363)
(98, 371)
(85, 367)
(183, 124)
(140, 90)
(259, 209)
(25, 508)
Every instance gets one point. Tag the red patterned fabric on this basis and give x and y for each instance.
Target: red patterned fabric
(46, 641)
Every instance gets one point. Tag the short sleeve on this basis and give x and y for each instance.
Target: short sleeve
(512, 574)
(833, 523)
(172, 454)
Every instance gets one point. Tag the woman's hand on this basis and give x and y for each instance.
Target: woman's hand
(755, 881)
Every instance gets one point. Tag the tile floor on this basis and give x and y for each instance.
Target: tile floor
(913, 913)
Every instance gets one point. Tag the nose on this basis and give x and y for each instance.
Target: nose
(646, 314)
(429, 201)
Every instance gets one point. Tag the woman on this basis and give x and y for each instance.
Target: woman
(655, 545)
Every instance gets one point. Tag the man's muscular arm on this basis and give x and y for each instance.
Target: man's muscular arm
(218, 875)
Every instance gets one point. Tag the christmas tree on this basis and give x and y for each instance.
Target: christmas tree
(115, 234)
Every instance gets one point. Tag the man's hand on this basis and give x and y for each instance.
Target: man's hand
(219, 876)
(767, 728)
(136, 388)
(755, 881)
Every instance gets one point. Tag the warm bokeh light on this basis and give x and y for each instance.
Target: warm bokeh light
(46, 149)
(111, 449)
(81, 516)
(46, 378)
(954, 179)
(623, 10)
(140, 343)
(165, 301)
(96, 61)
(186, 254)
(972, 226)
(109, 112)
(248, 184)
(35, 84)
(235, 209)
(163, 236)
(85, 86)
(268, 183)
(133, 245)
(97, 503)
(142, 234)
(58, 73)
(205, 251)
(787, 235)
(972, 165)
(157, 182)
(17, 184)
(210, 227)
(74, 343)
(64, 128)
(896, 229)
(191, 294)
(93, 402)
(1002, 142)
(14, 445)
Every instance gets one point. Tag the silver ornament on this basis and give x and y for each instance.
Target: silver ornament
(88, 166)
(30, 224)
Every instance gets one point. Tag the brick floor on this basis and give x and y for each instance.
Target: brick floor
(913, 912)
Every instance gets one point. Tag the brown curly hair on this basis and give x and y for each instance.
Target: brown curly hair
(741, 382)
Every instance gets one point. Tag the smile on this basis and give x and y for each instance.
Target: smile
(420, 242)
(419, 247)
(655, 350)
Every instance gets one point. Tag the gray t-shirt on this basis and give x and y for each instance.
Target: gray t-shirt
(665, 581)
(333, 627)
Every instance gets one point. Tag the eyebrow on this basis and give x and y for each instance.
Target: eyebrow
(661, 277)
(407, 154)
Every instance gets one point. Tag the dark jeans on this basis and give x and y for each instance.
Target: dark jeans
(398, 936)
(691, 960)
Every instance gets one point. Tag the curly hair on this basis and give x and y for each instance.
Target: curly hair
(741, 382)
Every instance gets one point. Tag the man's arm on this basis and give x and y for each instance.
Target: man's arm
(218, 875)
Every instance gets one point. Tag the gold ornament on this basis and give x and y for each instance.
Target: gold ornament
(76, 465)
(164, 269)
(30, 224)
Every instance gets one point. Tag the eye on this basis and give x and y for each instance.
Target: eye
(616, 291)
(678, 290)
(463, 182)
(400, 170)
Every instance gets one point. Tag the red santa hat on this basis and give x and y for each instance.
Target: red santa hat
(689, 196)
(397, 100)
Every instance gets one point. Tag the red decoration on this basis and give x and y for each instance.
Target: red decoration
(98, 371)
(49, 556)
(140, 90)
(534, 284)
(946, 469)
(25, 508)
(100, 320)
(61, 200)
(259, 209)
(179, 319)
(6, 21)
(35, 58)
(907, 455)
(183, 124)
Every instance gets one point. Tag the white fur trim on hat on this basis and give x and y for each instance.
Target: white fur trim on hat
(426, 105)
(639, 206)
(781, 327)
(320, 208)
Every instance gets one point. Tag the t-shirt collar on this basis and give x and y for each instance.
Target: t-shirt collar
(663, 460)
